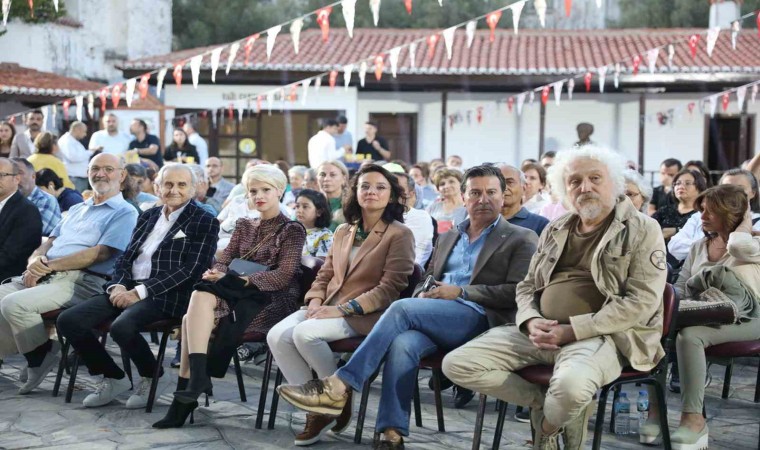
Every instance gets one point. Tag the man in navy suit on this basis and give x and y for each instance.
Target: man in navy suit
(170, 248)
(20, 221)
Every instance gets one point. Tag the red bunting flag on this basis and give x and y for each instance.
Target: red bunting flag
(690, 107)
(568, 7)
(545, 94)
(492, 20)
(725, 101)
(323, 20)
(230, 111)
(178, 75)
(31, 8)
(249, 47)
(334, 78)
(758, 24)
(693, 41)
(143, 85)
(408, 4)
(432, 40)
(116, 95)
(293, 93)
(636, 64)
(510, 103)
(258, 103)
(66, 104)
(587, 80)
(103, 99)
(479, 114)
(379, 64)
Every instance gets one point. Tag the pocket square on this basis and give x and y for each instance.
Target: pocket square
(179, 235)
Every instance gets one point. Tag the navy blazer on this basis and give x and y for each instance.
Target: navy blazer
(177, 263)
(21, 226)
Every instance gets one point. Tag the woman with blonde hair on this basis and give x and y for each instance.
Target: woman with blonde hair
(332, 177)
(47, 146)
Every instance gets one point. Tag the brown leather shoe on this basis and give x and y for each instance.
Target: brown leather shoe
(316, 426)
(316, 396)
(344, 419)
(382, 444)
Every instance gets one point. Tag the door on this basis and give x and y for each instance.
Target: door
(400, 130)
(729, 141)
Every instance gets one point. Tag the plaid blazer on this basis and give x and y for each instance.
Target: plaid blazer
(177, 263)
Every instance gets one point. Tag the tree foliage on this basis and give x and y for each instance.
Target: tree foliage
(44, 11)
(672, 13)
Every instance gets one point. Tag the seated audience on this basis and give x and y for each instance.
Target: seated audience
(171, 247)
(238, 303)
(310, 180)
(448, 210)
(219, 188)
(71, 266)
(314, 214)
(20, 221)
(454, 162)
(534, 197)
(547, 159)
(74, 156)
(587, 305)
(466, 299)
(637, 190)
(181, 150)
(45, 203)
(201, 190)
(46, 147)
(297, 175)
(332, 177)
(7, 134)
(663, 194)
(687, 185)
(49, 182)
(421, 176)
(512, 210)
(365, 271)
(701, 167)
(144, 145)
(417, 220)
(288, 198)
(138, 174)
(130, 190)
(728, 259)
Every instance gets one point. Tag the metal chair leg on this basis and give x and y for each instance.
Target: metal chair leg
(479, 422)
(157, 371)
(362, 412)
(239, 376)
(61, 366)
(499, 425)
(615, 397)
(275, 400)
(264, 389)
(72, 379)
(154, 337)
(757, 390)
(727, 379)
(416, 402)
(127, 368)
(599, 425)
(659, 389)
(437, 375)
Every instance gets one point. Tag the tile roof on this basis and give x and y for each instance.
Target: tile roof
(531, 52)
(15, 79)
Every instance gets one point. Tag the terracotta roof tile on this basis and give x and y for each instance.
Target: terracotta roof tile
(15, 79)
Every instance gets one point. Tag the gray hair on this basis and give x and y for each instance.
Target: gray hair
(184, 167)
(616, 166)
(311, 172)
(198, 171)
(632, 176)
(520, 173)
(298, 170)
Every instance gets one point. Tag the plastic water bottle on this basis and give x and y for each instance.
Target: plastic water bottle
(642, 408)
(622, 410)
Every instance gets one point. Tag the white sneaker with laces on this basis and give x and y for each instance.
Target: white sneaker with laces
(107, 390)
(140, 397)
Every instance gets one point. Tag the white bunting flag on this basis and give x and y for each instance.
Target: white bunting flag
(616, 76)
(160, 81)
(374, 5)
(520, 102)
(130, 92)
(317, 84)
(393, 58)
(90, 105)
(80, 102)
(271, 38)
(652, 56)
(349, 13)
(712, 38)
(195, 69)
(240, 113)
(599, 4)
(570, 88)
(540, 6)
(440, 3)
(213, 117)
(516, 12)
(44, 110)
(469, 30)
(558, 91)
(754, 93)
(531, 97)
(741, 94)
(55, 5)
(295, 33)
(347, 70)
(215, 55)
(735, 29)
(448, 39)
(270, 101)
(305, 85)
(671, 54)
(602, 71)
(54, 115)
(713, 105)
(362, 72)
(231, 57)
(413, 55)
(6, 11)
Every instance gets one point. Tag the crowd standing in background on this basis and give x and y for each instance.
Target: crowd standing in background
(564, 258)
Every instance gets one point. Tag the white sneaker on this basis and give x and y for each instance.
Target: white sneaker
(36, 375)
(106, 391)
(23, 376)
(140, 398)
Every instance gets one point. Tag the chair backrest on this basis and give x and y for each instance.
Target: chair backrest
(670, 310)
(309, 267)
(414, 280)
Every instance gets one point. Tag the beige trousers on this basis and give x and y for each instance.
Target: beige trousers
(487, 365)
(21, 327)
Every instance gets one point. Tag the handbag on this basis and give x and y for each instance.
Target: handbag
(712, 308)
(242, 267)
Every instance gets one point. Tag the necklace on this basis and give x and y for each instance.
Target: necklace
(361, 234)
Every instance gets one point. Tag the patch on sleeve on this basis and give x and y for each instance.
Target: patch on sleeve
(658, 259)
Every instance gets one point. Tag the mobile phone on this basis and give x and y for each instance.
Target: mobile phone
(429, 283)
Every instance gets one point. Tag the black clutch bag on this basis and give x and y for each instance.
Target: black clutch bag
(242, 267)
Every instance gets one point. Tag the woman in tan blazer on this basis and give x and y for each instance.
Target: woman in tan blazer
(366, 269)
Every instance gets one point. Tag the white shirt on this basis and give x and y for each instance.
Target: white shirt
(322, 148)
(74, 155)
(419, 221)
(537, 202)
(691, 232)
(200, 146)
(142, 265)
(2, 203)
(115, 145)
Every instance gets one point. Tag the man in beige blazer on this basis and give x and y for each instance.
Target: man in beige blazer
(476, 268)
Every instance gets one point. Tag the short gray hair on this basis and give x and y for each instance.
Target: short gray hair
(298, 170)
(198, 171)
(185, 167)
(615, 163)
(520, 173)
(632, 176)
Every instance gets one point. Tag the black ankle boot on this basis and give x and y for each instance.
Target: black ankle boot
(199, 381)
(182, 383)
(177, 414)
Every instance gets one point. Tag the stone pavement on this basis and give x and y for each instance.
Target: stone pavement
(41, 421)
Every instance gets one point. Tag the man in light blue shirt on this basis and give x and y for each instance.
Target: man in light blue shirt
(71, 266)
(343, 140)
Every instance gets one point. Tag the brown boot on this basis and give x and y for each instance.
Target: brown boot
(344, 419)
(316, 426)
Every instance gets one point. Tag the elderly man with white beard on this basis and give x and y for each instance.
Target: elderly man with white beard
(590, 304)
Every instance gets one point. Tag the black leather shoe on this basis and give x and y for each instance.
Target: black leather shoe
(445, 383)
(462, 397)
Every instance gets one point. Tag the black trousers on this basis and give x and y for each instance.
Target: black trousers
(76, 325)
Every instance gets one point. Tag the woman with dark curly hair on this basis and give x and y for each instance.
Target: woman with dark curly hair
(366, 269)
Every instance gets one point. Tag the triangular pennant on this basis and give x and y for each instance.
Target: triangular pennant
(362, 72)
(6, 10)
(103, 96)
(91, 105)
(713, 105)
(736, 27)
(408, 6)
(159, 81)
(332, 78)
(671, 54)
(116, 95)
(65, 107)
(295, 33)
(270, 101)
(741, 94)
(568, 7)
(652, 56)
(317, 84)
(413, 55)
(520, 102)
(693, 41)
(570, 88)
(142, 86)
(558, 91)
(602, 71)
(616, 76)
(240, 113)
(348, 7)
(130, 92)
(531, 97)
(440, 3)
(545, 95)
(55, 5)
(231, 57)
(214, 117)
(305, 86)
(271, 38)
(248, 47)
(195, 69)
(379, 64)
(712, 38)
(432, 40)
(45, 113)
(53, 115)
(323, 20)
(725, 100)
(469, 30)
(177, 73)
(215, 56)
(516, 12)
(393, 59)
(510, 103)
(374, 5)
(347, 70)
(754, 92)
(492, 20)
(587, 81)
(540, 6)
(448, 39)
(636, 64)
(79, 99)
(599, 4)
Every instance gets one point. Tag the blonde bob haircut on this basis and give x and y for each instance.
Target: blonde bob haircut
(268, 174)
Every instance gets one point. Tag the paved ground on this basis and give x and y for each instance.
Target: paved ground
(41, 421)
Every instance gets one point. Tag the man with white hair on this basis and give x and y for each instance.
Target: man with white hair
(590, 305)
(201, 189)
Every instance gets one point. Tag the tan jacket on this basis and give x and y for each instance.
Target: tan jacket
(630, 270)
(376, 276)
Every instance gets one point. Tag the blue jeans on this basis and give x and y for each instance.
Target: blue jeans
(408, 331)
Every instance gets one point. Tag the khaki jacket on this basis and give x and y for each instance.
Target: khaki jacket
(376, 276)
(629, 269)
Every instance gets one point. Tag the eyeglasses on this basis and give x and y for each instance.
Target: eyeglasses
(3, 174)
(107, 169)
(684, 183)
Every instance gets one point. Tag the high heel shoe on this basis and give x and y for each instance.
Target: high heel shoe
(177, 414)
